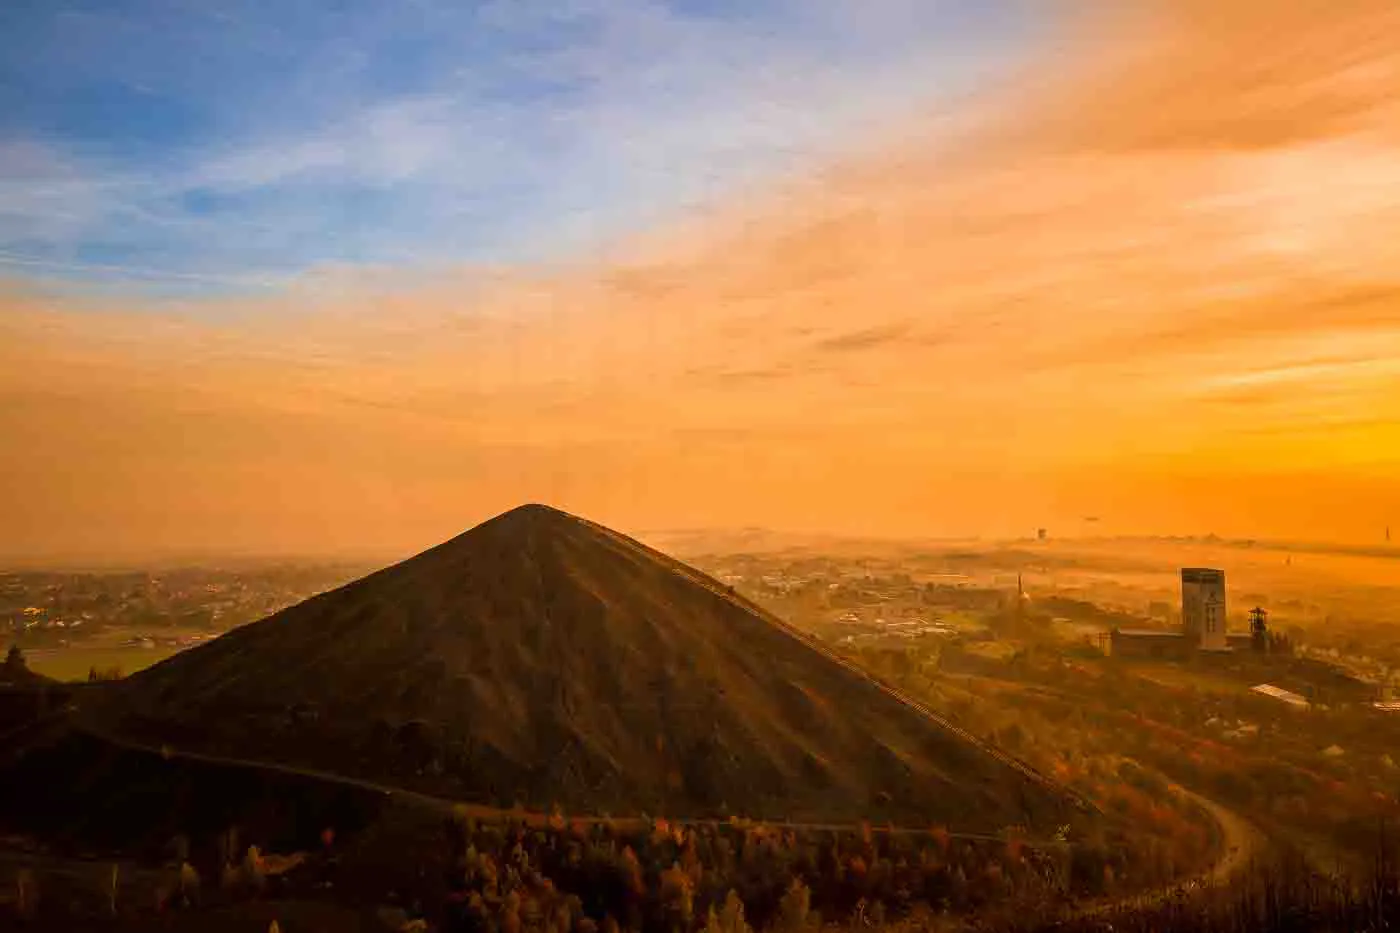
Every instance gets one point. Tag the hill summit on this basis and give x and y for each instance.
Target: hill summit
(539, 659)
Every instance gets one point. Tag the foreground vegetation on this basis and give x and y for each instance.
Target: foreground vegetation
(461, 873)
(503, 878)
(1323, 781)
(1165, 750)
(1282, 896)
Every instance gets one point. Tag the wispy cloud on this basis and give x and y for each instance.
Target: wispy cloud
(1072, 311)
(868, 339)
(444, 133)
(23, 263)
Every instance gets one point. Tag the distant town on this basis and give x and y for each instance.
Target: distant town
(1221, 700)
(68, 623)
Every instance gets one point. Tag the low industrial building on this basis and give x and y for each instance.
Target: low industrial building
(1202, 624)
(1150, 643)
(1239, 641)
(1283, 696)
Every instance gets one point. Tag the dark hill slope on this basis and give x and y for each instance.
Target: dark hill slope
(541, 658)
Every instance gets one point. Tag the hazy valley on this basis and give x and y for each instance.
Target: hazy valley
(544, 680)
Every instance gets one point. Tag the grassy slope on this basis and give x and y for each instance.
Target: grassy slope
(548, 660)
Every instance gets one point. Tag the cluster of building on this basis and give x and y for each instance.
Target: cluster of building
(1203, 624)
(47, 606)
(1204, 631)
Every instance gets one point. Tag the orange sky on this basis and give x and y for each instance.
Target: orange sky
(1160, 286)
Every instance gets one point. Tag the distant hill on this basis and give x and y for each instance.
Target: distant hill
(15, 672)
(539, 658)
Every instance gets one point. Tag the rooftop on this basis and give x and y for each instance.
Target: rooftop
(1280, 694)
(1147, 633)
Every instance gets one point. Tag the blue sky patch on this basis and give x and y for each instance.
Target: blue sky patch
(253, 141)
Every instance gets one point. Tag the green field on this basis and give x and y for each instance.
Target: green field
(74, 663)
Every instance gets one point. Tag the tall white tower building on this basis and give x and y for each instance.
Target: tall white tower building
(1203, 606)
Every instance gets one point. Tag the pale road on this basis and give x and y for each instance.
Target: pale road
(1239, 841)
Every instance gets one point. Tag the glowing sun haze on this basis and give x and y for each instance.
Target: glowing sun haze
(1149, 272)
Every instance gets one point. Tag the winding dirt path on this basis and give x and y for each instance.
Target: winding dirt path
(1240, 840)
(448, 806)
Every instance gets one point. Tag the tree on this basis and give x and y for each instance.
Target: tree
(25, 894)
(795, 907)
(189, 884)
(14, 661)
(729, 918)
(253, 875)
(677, 897)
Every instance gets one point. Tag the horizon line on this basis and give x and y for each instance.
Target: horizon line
(176, 559)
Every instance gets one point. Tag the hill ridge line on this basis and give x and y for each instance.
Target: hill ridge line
(730, 595)
(542, 656)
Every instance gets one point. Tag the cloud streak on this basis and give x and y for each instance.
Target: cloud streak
(449, 133)
(1069, 311)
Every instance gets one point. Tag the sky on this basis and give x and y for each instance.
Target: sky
(192, 147)
(323, 278)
